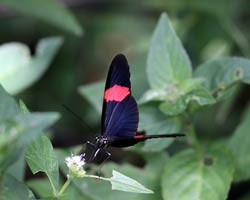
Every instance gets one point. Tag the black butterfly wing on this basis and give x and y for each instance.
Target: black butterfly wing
(120, 112)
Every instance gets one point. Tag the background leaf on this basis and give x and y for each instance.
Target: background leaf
(23, 127)
(189, 176)
(169, 73)
(94, 94)
(240, 146)
(18, 70)
(17, 129)
(199, 95)
(124, 183)
(49, 11)
(17, 169)
(41, 157)
(42, 188)
(167, 60)
(219, 75)
(13, 189)
(8, 106)
(152, 121)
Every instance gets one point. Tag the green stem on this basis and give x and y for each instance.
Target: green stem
(64, 187)
(192, 134)
(66, 184)
(97, 177)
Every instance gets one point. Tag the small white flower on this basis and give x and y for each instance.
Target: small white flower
(77, 160)
(75, 164)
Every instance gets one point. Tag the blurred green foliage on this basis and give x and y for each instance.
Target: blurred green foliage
(214, 93)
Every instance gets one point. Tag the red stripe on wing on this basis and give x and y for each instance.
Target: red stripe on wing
(116, 93)
(139, 136)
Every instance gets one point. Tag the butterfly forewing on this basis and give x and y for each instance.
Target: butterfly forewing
(120, 113)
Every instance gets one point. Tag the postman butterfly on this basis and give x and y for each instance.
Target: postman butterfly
(120, 117)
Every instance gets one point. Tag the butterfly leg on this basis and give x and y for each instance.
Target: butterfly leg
(102, 163)
(93, 152)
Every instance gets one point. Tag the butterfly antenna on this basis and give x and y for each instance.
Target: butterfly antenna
(83, 123)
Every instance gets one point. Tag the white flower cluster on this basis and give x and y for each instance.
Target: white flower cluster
(77, 160)
(75, 164)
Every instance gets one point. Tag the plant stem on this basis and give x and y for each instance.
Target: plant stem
(192, 134)
(97, 177)
(66, 184)
(64, 187)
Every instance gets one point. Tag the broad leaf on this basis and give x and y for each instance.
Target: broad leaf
(124, 183)
(190, 176)
(41, 157)
(174, 99)
(219, 75)
(49, 11)
(17, 170)
(152, 121)
(198, 95)
(23, 127)
(19, 70)
(8, 106)
(94, 94)
(170, 73)
(240, 146)
(42, 188)
(13, 189)
(167, 59)
(17, 129)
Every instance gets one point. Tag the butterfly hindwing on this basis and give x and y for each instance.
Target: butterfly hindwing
(124, 120)
(120, 113)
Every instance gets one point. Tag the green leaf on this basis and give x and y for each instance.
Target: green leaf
(240, 146)
(169, 73)
(152, 121)
(124, 183)
(23, 107)
(17, 170)
(42, 188)
(189, 176)
(49, 11)
(216, 48)
(219, 75)
(18, 133)
(41, 157)
(8, 105)
(24, 127)
(199, 95)
(175, 99)
(34, 124)
(13, 189)
(17, 129)
(19, 70)
(167, 60)
(94, 94)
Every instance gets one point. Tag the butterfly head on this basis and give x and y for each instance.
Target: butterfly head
(101, 141)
